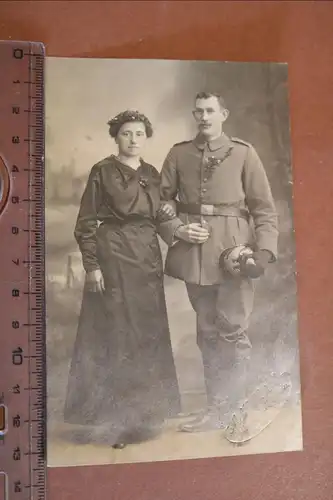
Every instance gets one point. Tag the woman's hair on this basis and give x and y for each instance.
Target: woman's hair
(129, 116)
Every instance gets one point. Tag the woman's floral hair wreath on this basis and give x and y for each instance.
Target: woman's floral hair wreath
(129, 116)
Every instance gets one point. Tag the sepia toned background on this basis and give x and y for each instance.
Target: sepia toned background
(81, 96)
(295, 32)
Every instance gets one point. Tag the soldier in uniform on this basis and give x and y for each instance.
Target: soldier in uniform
(222, 197)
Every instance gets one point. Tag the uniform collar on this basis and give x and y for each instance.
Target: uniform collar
(222, 142)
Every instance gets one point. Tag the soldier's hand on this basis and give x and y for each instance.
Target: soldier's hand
(95, 281)
(256, 266)
(192, 233)
(262, 257)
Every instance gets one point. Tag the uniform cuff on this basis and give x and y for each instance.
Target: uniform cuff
(272, 257)
(174, 237)
(167, 230)
(272, 251)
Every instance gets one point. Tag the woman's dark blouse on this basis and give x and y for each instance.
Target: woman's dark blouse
(115, 193)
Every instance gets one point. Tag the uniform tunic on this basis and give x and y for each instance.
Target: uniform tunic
(122, 369)
(226, 172)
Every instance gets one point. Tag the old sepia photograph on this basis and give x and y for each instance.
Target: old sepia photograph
(171, 288)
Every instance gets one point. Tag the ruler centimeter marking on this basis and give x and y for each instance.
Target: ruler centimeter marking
(22, 334)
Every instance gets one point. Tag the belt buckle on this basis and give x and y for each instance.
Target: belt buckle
(207, 209)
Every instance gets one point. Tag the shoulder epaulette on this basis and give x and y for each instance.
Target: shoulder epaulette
(181, 143)
(240, 141)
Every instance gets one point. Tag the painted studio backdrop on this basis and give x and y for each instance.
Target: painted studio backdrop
(81, 96)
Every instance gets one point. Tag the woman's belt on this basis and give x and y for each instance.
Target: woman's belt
(214, 209)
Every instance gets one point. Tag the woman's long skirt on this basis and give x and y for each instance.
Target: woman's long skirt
(122, 370)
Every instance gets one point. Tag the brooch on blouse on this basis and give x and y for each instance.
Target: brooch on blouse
(144, 182)
(211, 162)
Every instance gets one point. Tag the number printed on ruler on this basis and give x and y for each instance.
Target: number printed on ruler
(22, 337)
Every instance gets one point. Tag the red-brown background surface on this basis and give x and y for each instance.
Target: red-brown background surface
(300, 33)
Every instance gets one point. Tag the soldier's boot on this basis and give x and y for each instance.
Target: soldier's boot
(216, 417)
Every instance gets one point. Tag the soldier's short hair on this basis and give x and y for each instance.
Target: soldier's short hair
(207, 95)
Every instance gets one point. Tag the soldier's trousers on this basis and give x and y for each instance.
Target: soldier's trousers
(223, 314)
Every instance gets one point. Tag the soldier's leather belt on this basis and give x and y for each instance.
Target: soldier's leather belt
(203, 209)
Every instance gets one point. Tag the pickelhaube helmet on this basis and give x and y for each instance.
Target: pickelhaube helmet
(243, 256)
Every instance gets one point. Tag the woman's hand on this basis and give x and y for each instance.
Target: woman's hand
(95, 281)
(167, 209)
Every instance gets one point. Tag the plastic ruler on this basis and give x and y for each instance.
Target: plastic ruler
(22, 313)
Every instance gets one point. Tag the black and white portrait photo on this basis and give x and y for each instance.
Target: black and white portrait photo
(170, 261)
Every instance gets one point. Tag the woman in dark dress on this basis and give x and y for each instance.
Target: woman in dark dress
(122, 374)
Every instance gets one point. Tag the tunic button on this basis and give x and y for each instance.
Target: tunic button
(204, 190)
(205, 179)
